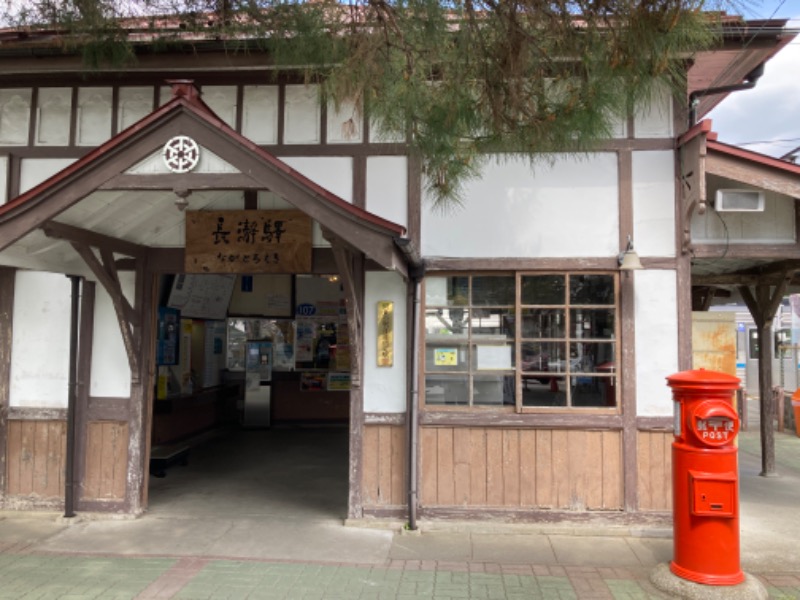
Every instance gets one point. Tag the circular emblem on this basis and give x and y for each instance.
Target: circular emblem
(181, 154)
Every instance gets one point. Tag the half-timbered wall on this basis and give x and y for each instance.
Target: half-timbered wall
(35, 444)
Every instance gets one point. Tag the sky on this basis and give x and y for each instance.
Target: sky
(766, 119)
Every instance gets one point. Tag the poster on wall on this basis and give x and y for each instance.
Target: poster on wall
(338, 382)
(445, 357)
(201, 296)
(313, 382)
(305, 335)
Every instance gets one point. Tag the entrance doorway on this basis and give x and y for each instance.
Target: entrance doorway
(250, 410)
(286, 472)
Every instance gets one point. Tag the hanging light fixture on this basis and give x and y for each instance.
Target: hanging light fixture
(628, 259)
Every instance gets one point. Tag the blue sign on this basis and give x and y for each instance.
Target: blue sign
(306, 310)
(740, 327)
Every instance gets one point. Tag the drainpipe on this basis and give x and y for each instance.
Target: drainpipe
(416, 272)
(749, 83)
(72, 395)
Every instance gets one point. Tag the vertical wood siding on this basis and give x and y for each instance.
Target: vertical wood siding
(654, 464)
(384, 472)
(106, 461)
(521, 468)
(35, 463)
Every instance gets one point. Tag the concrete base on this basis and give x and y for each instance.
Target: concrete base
(666, 581)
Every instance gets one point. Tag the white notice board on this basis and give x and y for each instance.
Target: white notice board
(202, 296)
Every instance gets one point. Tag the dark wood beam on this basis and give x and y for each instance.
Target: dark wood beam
(126, 316)
(188, 181)
(746, 251)
(77, 235)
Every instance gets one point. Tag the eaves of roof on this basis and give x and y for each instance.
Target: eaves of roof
(753, 157)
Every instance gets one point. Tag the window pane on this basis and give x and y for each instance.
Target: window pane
(493, 291)
(543, 391)
(493, 389)
(543, 289)
(593, 391)
(543, 357)
(492, 357)
(447, 321)
(590, 357)
(597, 323)
(591, 289)
(494, 322)
(447, 389)
(444, 291)
(542, 323)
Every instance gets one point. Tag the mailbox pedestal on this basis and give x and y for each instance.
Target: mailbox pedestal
(705, 478)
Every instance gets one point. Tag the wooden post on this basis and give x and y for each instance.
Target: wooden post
(763, 305)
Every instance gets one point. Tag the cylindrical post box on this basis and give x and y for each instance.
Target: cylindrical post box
(705, 482)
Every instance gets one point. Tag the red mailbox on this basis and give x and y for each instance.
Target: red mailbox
(705, 483)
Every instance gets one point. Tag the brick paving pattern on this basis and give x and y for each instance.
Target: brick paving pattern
(31, 576)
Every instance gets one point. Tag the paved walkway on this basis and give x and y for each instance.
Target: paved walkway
(42, 557)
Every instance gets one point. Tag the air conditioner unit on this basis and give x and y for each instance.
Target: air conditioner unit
(739, 201)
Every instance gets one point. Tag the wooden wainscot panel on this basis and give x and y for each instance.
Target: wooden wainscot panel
(36, 458)
(521, 468)
(384, 471)
(248, 241)
(654, 466)
(106, 461)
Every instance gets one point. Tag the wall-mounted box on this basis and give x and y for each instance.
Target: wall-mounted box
(730, 200)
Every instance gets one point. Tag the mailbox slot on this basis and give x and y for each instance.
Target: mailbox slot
(713, 494)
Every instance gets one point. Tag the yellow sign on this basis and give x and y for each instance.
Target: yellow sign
(445, 357)
(248, 241)
(385, 333)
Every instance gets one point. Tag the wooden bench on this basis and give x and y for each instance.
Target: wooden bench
(163, 457)
(167, 455)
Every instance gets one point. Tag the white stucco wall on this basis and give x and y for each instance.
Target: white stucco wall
(567, 209)
(654, 203)
(387, 188)
(40, 350)
(656, 309)
(40, 340)
(333, 173)
(3, 180)
(384, 387)
(34, 171)
(654, 119)
(111, 374)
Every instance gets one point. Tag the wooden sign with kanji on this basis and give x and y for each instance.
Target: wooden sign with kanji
(248, 241)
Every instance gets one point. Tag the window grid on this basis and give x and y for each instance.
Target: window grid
(477, 357)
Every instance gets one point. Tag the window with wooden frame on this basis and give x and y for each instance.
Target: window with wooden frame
(524, 341)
